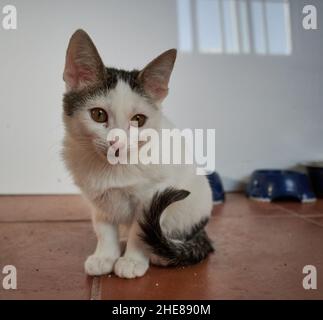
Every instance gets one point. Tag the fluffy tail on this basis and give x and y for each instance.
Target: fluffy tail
(183, 249)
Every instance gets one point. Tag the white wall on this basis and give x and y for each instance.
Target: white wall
(267, 110)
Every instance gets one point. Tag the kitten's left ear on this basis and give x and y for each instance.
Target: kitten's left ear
(83, 65)
(155, 76)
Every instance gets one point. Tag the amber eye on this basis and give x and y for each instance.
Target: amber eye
(99, 115)
(140, 119)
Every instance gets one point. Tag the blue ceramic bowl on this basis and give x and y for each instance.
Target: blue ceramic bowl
(217, 187)
(269, 185)
(315, 172)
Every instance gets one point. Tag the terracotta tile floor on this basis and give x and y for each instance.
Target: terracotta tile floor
(261, 250)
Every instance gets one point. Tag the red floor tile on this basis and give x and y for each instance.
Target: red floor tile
(237, 205)
(306, 209)
(49, 259)
(255, 258)
(261, 250)
(53, 207)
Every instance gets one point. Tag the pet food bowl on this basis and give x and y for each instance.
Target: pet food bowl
(270, 185)
(216, 186)
(315, 172)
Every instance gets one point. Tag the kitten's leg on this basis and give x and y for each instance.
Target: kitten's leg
(135, 262)
(107, 250)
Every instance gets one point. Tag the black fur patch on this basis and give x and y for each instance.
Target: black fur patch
(191, 248)
(130, 77)
(74, 100)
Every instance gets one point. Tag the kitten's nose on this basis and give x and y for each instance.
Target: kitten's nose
(116, 147)
(117, 144)
(111, 142)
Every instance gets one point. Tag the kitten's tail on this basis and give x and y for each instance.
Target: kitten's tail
(185, 249)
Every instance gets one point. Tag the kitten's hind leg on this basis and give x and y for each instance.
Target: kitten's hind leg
(135, 262)
(107, 250)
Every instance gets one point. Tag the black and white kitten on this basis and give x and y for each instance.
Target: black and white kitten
(165, 206)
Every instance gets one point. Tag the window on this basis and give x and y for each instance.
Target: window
(234, 26)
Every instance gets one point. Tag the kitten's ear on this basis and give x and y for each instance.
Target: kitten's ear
(155, 76)
(83, 65)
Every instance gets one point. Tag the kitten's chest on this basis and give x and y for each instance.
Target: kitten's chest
(121, 205)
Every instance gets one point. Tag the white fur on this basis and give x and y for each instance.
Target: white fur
(107, 250)
(118, 193)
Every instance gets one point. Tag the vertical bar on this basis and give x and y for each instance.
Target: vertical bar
(265, 25)
(258, 24)
(239, 25)
(230, 27)
(184, 21)
(249, 19)
(278, 29)
(235, 26)
(289, 44)
(244, 27)
(223, 40)
(193, 6)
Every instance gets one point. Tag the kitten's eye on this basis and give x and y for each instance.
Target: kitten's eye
(99, 115)
(140, 118)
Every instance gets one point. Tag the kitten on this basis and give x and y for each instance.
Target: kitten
(165, 206)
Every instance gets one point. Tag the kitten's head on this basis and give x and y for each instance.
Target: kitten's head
(99, 99)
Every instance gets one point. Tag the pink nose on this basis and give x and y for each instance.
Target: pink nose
(117, 144)
(111, 142)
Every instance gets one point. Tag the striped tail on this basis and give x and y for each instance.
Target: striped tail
(185, 249)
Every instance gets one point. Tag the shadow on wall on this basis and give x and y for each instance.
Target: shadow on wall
(235, 184)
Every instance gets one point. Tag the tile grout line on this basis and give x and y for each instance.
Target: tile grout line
(301, 216)
(96, 289)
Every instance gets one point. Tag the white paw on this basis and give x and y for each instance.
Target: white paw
(98, 265)
(129, 268)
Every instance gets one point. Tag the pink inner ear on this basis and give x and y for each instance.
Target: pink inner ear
(86, 75)
(156, 90)
(75, 76)
(80, 67)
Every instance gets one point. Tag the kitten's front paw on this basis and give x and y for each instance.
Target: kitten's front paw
(130, 268)
(98, 265)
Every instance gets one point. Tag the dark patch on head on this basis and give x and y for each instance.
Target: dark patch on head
(75, 100)
(130, 77)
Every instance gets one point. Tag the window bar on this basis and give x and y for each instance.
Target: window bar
(288, 27)
(223, 40)
(265, 25)
(184, 25)
(244, 27)
(236, 28)
(220, 10)
(195, 46)
(249, 21)
(239, 28)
